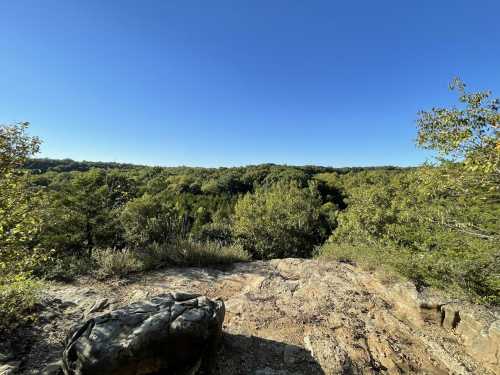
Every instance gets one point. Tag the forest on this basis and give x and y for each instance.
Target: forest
(435, 224)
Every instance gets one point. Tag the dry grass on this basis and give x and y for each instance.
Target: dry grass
(370, 258)
(112, 262)
(118, 263)
(191, 253)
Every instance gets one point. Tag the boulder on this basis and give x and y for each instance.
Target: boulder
(172, 333)
(479, 330)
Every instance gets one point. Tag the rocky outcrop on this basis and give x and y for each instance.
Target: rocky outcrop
(295, 316)
(478, 329)
(475, 327)
(172, 333)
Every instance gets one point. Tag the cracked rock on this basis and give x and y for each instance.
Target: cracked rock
(174, 334)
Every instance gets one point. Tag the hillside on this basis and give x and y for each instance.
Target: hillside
(115, 233)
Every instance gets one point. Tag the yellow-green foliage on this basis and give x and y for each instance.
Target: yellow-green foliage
(468, 134)
(18, 295)
(430, 233)
(473, 274)
(149, 219)
(19, 224)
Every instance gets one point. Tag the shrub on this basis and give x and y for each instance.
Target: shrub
(65, 268)
(157, 255)
(215, 232)
(18, 296)
(112, 262)
(281, 221)
(472, 274)
(191, 253)
(185, 252)
(20, 221)
(149, 219)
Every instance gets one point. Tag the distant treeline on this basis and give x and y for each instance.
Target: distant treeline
(42, 165)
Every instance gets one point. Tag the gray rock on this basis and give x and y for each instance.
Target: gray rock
(170, 334)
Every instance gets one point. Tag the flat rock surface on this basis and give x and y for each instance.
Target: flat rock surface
(286, 316)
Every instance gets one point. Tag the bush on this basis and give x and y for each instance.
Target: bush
(112, 262)
(65, 268)
(18, 296)
(120, 263)
(187, 252)
(149, 219)
(281, 221)
(20, 221)
(157, 255)
(215, 232)
(472, 274)
(191, 253)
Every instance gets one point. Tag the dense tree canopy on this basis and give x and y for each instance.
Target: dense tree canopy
(439, 221)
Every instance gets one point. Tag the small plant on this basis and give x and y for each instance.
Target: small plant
(367, 257)
(18, 296)
(116, 263)
(157, 255)
(65, 268)
(191, 253)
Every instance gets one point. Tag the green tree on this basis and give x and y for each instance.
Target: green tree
(149, 219)
(466, 140)
(20, 222)
(19, 203)
(436, 224)
(85, 209)
(469, 134)
(280, 221)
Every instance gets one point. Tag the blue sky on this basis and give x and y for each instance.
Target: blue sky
(222, 83)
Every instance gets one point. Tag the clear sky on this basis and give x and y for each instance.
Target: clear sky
(222, 83)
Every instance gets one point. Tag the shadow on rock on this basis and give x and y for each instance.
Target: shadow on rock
(240, 354)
